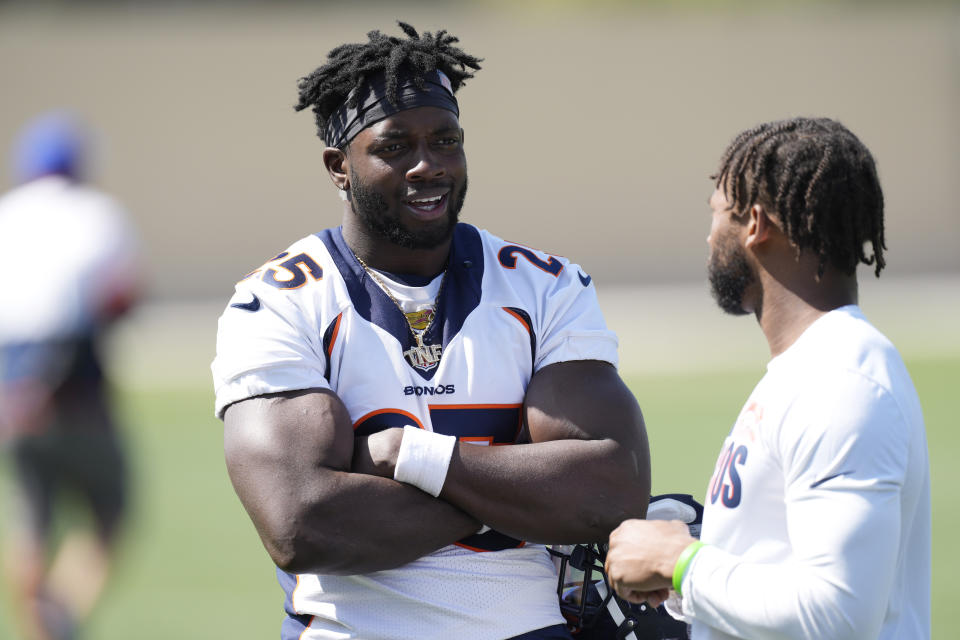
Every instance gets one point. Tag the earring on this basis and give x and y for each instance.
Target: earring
(344, 195)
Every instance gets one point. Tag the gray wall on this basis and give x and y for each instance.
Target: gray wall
(590, 134)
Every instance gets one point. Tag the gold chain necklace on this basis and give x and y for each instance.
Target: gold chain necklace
(420, 356)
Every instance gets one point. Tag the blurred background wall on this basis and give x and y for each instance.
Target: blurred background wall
(590, 131)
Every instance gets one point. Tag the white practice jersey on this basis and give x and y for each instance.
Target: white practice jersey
(313, 318)
(66, 250)
(818, 512)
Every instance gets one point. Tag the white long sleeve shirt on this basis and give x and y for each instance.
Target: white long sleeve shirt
(818, 512)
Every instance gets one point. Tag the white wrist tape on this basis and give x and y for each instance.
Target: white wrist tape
(423, 459)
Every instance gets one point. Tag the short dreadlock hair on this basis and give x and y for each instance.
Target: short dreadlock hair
(349, 65)
(819, 179)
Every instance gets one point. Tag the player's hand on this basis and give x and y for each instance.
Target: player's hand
(641, 557)
(376, 454)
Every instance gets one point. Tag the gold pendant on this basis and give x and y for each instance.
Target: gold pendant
(420, 320)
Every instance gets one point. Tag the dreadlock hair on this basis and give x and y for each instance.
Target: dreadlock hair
(349, 65)
(820, 180)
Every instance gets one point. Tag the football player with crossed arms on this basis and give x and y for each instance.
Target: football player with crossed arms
(367, 375)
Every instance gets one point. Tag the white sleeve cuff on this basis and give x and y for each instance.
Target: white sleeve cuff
(269, 380)
(580, 345)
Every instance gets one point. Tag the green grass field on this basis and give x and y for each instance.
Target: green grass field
(192, 566)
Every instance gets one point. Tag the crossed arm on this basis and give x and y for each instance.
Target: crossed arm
(323, 501)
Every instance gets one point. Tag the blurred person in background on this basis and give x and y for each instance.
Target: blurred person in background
(817, 518)
(68, 268)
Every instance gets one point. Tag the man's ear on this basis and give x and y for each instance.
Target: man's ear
(759, 226)
(337, 166)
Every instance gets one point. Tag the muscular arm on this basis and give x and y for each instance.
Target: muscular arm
(586, 469)
(289, 458)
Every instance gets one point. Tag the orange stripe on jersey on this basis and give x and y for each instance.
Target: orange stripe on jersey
(474, 406)
(519, 405)
(307, 628)
(366, 417)
(522, 320)
(523, 543)
(480, 440)
(333, 338)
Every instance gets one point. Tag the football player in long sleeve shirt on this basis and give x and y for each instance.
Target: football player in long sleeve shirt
(817, 517)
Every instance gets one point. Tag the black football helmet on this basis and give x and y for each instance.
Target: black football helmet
(587, 601)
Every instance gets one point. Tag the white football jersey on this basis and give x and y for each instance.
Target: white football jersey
(313, 318)
(818, 512)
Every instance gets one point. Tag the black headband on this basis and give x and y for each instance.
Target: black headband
(373, 105)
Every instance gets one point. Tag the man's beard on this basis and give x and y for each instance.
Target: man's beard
(730, 275)
(372, 208)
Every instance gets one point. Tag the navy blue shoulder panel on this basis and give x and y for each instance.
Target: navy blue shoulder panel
(523, 315)
(368, 298)
(328, 339)
(462, 291)
(460, 296)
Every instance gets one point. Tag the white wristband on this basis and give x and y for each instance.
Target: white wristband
(423, 459)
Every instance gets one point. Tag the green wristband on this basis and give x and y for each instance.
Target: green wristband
(683, 563)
